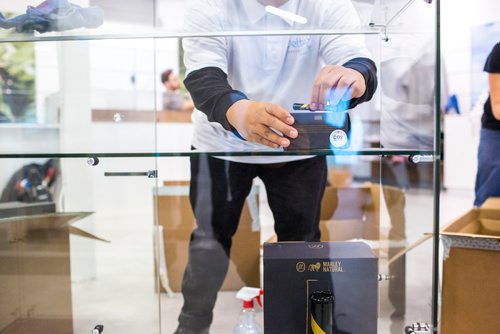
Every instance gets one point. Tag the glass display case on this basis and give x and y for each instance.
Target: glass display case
(96, 217)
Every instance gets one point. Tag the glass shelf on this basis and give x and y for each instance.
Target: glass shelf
(381, 15)
(322, 152)
(169, 34)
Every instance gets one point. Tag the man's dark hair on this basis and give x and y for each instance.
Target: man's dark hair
(166, 75)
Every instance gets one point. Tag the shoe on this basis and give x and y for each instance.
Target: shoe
(181, 330)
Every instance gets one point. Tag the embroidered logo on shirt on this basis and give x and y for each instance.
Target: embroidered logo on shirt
(299, 43)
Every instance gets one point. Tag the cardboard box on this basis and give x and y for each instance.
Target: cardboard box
(339, 177)
(354, 213)
(471, 267)
(176, 217)
(294, 270)
(35, 273)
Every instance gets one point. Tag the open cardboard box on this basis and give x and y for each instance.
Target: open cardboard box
(471, 267)
(176, 218)
(35, 272)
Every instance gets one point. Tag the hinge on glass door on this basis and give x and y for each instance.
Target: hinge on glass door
(418, 328)
(383, 30)
(151, 174)
(98, 329)
(93, 161)
(384, 277)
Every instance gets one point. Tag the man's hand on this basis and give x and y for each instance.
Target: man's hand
(255, 122)
(335, 83)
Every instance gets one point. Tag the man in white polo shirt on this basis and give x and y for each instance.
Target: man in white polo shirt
(243, 87)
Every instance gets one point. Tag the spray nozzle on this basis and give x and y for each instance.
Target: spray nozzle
(248, 295)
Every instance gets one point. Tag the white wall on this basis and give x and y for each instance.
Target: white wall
(462, 132)
(458, 18)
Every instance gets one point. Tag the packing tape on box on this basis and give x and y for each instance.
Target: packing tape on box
(379, 244)
(467, 242)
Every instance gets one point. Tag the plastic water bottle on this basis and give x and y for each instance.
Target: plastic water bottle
(247, 324)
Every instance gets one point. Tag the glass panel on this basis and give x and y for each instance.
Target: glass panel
(75, 19)
(76, 247)
(408, 223)
(97, 19)
(97, 96)
(104, 100)
(383, 202)
(408, 119)
(393, 212)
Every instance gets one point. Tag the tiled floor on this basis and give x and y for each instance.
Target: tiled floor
(121, 296)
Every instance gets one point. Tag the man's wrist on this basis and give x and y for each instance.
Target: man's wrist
(235, 116)
(367, 68)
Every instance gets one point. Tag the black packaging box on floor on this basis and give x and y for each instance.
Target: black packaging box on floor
(292, 270)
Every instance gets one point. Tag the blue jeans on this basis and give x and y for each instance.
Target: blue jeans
(488, 167)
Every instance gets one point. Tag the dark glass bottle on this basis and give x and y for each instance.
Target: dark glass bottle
(322, 312)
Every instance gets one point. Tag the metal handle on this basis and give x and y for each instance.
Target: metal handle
(384, 277)
(421, 158)
(151, 174)
(418, 328)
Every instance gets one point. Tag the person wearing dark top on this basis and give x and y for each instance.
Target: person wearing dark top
(488, 171)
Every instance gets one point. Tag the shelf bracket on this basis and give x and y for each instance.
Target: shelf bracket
(382, 30)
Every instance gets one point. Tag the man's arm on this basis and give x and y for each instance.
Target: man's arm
(494, 79)
(212, 94)
(354, 82)
(250, 120)
(350, 75)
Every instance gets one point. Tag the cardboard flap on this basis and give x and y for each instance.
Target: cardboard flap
(477, 223)
(77, 231)
(490, 226)
(460, 223)
(491, 203)
(53, 220)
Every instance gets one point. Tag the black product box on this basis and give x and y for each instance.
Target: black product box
(321, 130)
(295, 271)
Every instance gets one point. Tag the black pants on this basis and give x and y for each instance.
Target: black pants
(217, 194)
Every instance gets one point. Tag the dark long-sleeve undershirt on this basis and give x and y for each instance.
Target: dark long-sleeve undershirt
(213, 95)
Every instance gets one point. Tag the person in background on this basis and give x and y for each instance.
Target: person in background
(173, 98)
(488, 167)
(243, 90)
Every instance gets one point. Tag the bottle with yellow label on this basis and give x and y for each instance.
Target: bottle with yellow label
(322, 312)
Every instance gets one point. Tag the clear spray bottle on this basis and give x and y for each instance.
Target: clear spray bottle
(247, 323)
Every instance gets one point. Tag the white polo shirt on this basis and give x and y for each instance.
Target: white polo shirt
(277, 69)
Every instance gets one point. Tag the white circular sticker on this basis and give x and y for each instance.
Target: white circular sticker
(338, 138)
